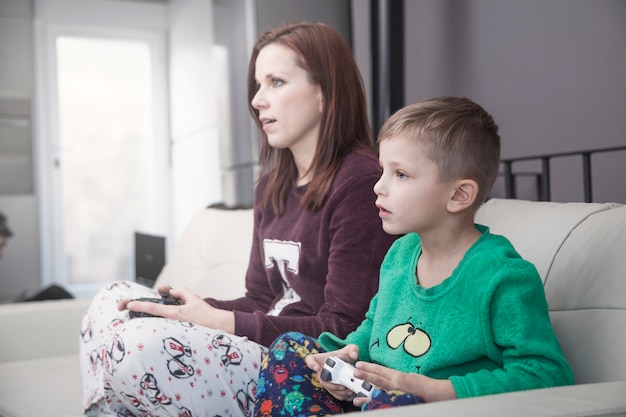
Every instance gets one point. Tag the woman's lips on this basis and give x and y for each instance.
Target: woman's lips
(266, 122)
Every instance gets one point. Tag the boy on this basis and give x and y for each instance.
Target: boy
(458, 312)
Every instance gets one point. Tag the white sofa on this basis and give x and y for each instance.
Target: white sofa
(578, 248)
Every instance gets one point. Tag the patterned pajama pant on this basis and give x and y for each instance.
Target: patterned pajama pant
(157, 367)
(287, 387)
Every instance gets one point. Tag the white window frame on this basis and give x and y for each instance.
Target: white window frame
(97, 19)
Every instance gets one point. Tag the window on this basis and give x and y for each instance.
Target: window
(104, 154)
(107, 149)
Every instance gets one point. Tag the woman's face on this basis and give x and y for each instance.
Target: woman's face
(289, 104)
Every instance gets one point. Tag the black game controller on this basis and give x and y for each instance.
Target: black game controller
(165, 299)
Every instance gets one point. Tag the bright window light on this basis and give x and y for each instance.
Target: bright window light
(106, 153)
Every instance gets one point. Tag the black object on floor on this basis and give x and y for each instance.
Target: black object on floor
(51, 292)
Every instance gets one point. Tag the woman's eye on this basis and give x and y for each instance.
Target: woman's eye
(277, 83)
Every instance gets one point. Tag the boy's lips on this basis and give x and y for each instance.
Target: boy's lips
(382, 211)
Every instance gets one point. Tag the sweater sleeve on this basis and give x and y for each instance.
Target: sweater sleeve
(521, 329)
(360, 337)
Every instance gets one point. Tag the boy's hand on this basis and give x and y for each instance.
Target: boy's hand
(315, 362)
(390, 379)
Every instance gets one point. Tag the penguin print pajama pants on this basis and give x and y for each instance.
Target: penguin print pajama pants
(157, 367)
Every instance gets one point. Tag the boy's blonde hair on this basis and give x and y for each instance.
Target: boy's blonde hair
(461, 136)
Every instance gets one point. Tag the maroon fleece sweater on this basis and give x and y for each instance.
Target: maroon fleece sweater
(314, 271)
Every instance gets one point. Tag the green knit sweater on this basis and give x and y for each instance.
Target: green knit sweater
(486, 327)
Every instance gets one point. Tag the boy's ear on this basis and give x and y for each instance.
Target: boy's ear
(464, 196)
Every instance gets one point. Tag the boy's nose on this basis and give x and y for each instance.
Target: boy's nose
(378, 187)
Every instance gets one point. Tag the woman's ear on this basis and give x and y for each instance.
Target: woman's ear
(465, 193)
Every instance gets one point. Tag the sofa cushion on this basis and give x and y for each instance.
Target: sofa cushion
(24, 326)
(536, 229)
(586, 291)
(595, 248)
(211, 256)
(41, 387)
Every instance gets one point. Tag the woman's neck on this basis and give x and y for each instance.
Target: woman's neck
(303, 160)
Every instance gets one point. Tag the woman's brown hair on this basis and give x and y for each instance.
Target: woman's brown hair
(344, 127)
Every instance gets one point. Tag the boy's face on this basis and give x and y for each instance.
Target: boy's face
(410, 196)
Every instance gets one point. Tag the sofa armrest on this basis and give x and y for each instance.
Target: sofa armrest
(602, 399)
(40, 329)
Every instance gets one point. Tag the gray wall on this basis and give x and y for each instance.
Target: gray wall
(19, 267)
(552, 72)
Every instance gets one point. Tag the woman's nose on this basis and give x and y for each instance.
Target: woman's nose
(258, 101)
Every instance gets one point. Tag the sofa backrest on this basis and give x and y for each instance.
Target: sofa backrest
(211, 256)
(579, 250)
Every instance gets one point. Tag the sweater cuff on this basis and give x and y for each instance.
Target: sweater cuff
(459, 386)
(245, 326)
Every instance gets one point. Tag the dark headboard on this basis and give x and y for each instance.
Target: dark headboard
(542, 176)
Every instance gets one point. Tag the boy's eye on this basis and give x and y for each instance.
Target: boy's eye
(401, 175)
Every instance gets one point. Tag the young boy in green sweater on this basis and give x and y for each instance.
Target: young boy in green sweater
(458, 312)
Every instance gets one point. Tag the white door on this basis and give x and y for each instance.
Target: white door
(105, 153)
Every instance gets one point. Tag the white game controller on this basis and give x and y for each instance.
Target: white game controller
(340, 372)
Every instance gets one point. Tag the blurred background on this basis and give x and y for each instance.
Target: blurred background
(125, 116)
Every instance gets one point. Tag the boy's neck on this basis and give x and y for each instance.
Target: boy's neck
(441, 253)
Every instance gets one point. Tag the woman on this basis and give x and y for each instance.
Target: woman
(317, 247)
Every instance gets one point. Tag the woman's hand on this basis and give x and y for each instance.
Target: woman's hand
(390, 379)
(315, 362)
(193, 309)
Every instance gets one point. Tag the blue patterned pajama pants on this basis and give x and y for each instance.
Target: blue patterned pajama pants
(287, 387)
(157, 367)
